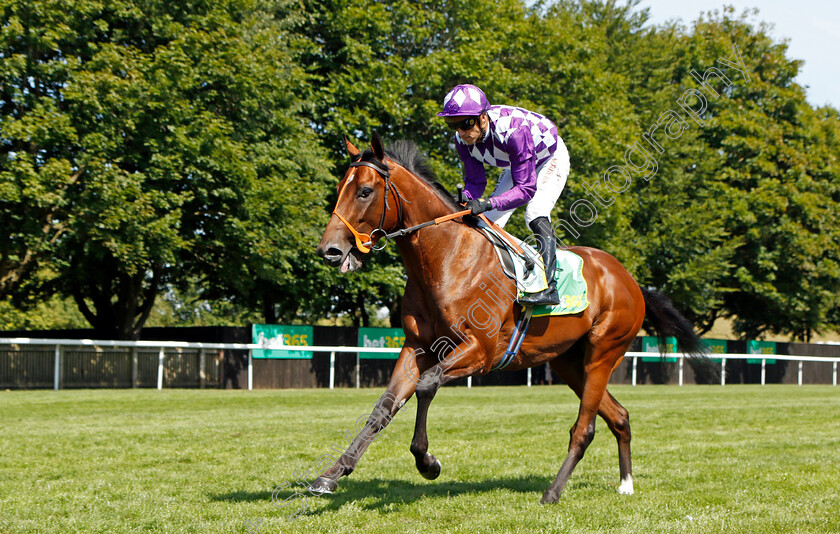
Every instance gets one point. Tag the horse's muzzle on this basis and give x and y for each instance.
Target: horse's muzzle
(334, 256)
(331, 254)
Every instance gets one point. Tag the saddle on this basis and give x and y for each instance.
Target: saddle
(524, 265)
(520, 261)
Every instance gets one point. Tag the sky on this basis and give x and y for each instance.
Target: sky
(812, 28)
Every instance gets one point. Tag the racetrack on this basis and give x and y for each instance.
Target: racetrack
(706, 459)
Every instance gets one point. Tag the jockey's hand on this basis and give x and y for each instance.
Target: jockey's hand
(478, 205)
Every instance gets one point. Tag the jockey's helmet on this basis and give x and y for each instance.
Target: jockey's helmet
(464, 100)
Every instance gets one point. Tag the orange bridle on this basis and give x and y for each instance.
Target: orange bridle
(364, 241)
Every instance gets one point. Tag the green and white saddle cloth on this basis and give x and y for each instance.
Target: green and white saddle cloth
(571, 286)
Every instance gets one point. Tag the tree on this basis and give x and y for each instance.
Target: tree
(193, 150)
(36, 167)
(741, 203)
(170, 137)
(779, 178)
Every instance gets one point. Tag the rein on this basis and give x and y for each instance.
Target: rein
(364, 242)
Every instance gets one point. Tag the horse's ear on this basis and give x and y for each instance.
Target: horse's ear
(376, 145)
(351, 148)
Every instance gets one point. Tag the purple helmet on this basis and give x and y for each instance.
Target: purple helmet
(464, 99)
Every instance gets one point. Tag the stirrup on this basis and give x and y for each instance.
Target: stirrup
(516, 339)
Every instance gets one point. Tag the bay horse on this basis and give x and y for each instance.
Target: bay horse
(457, 323)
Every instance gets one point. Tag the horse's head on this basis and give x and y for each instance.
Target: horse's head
(362, 212)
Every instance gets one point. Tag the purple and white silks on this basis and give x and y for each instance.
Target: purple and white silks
(517, 139)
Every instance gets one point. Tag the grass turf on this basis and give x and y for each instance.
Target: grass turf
(706, 459)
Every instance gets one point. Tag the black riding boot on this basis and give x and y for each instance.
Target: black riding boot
(548, 249)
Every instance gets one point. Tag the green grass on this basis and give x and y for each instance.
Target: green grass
(706, 459)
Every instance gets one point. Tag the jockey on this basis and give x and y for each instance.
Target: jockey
(535, 162)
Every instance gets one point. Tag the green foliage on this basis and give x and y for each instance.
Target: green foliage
(776, 184)
(155, 147)
(165, 144)
(57, 313)
(176, 308)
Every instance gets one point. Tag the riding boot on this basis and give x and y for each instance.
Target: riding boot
(548, 250)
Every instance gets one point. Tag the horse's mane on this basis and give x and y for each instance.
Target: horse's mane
(407, 154)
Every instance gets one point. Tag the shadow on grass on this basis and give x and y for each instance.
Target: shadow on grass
(381, 494)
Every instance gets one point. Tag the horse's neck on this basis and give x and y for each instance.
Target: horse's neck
(428, 252)
(421, 202)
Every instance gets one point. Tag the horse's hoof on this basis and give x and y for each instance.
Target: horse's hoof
(433, 472)
(549, 497)
(626, 486)
(322, 485)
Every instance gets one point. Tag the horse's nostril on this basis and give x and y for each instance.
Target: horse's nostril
(328, 251)
(331, 255)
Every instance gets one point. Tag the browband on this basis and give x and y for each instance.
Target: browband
(381, 168)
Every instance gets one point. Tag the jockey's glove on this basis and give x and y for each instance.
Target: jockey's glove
(478, 205)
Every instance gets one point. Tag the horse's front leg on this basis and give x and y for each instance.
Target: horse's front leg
(456, 365)
(400, 389)
(427, 464)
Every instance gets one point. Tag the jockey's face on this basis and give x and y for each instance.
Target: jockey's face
(469, 134)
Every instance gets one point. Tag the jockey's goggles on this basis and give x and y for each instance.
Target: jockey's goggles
(463, 124)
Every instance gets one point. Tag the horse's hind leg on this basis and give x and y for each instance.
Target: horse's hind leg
(596, 374)
(618, 419)
(613, 413)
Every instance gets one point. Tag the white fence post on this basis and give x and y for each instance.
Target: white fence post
(202, 372)
(763, 370)
(332, 370)
(799, 373)
(681, 369)
(250, 372)
(160, 369)
(529, 377)
(834, 374)
(57, 375)
(357, 370)
(134, 363)
(635, 364)
(723, 371)
(469, 382)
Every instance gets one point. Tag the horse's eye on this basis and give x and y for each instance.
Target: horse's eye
(365, 192)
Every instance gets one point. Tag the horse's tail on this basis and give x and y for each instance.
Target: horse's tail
(665, 320)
